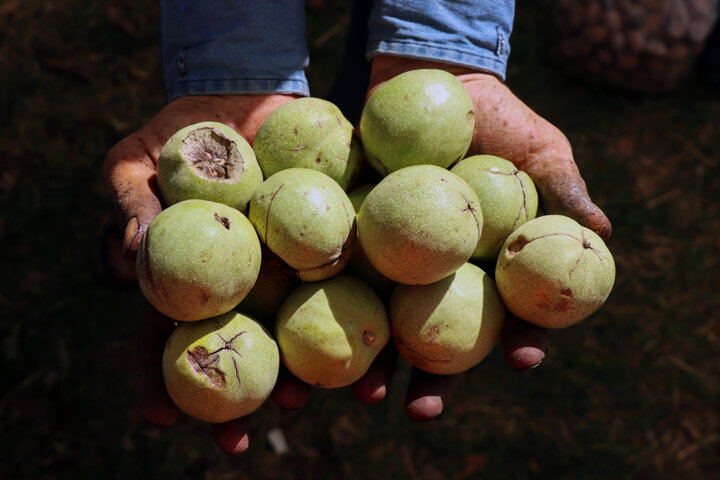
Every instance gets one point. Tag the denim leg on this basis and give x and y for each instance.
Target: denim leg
(233, 46)
(469, 33)
(350, 85)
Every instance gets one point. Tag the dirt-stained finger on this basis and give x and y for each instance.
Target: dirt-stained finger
(290, 392)
(524, 345)
(508, 128)
(428, 394)
(130, 173)
(232, 437)
(567, 195)
(373, 386)
(154, 402)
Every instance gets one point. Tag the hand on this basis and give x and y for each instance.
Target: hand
(130, 169)
(507, 128)
(130, 166)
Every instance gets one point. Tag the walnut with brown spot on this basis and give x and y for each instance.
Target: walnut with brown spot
(220, 369)
(198, 259)
(329, 332)
(507, 198)
(553, 272)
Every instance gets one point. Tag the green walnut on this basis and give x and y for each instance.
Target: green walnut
(309, 133)
(418, 117)
(307, 220)
(554, 272)
(221, 368)
(420, 224)
(208, 161)
(198, 259)
(449, 326)
(507, 196)
(329, 332)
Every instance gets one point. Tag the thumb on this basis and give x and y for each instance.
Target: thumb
(562, 189)
(507, 128)
(131, 175)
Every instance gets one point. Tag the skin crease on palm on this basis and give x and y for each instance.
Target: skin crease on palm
(501, 120)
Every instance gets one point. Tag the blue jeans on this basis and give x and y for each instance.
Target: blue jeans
(236, 46)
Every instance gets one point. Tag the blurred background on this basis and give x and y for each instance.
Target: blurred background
(632, 392)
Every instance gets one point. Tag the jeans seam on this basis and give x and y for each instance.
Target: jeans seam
(185, 86)
(427, 45)
(243, 79)
(486, 61)
(500, 41)
(181, 61)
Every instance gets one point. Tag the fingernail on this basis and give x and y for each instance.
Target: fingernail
(605, 232)
(525, 358)
(131, 231)
(424, 408)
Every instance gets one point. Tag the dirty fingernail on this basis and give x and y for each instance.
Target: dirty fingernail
(131, 231)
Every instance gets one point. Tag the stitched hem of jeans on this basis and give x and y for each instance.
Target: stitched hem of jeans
(489, 63)
(186, 87)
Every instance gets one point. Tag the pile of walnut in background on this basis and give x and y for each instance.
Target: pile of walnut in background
(638, 45)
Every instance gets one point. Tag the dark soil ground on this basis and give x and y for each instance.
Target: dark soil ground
(632, 392)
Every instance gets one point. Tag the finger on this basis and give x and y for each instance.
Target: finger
(290, 392)
(507, 128)
(524, 344)
(109, 259)
(427, 394)
(130, 173)
(373, 386)
(567, 195)
(232, 437)
(155, 403)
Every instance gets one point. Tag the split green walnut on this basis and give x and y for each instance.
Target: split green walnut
(306, 219)
(507, 197)
(221, 368)
(554, 272)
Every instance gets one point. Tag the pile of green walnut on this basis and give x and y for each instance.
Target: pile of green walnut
(263, 257)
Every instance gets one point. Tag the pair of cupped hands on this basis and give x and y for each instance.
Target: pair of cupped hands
(504, 127)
